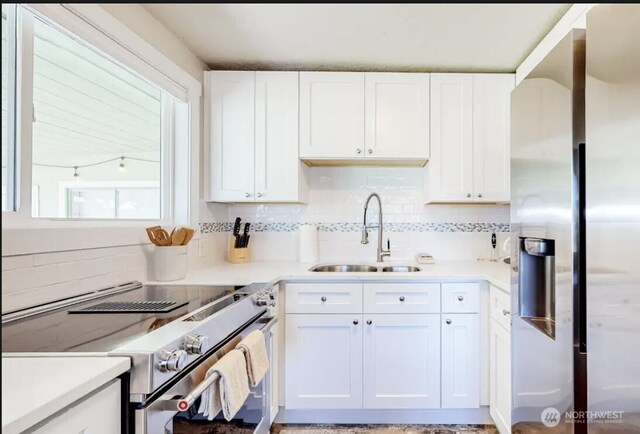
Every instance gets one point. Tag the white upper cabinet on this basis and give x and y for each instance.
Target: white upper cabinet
(491, 136)
(450, 167)
(470, 118)
(278, 171)
(331, 115)
(230, 105)
(361, 118)
(397, 116)
(253, 137)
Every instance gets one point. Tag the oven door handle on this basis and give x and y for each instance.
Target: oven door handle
(184, 403)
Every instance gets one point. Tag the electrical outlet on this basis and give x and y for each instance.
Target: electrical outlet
(202, 251)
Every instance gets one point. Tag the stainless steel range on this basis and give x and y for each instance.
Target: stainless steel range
(167, 331)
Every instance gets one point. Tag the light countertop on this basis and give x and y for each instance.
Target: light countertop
(496, 273)
(35, 388)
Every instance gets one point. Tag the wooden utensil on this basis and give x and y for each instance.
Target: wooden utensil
(177, 237)
(162, 237)
(188, 235)
(151, 234)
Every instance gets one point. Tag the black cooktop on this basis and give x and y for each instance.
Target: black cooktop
(106, 323)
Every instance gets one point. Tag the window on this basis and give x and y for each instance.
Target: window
(8, 106)
(101, 200)
(97, 124)
(94, 121)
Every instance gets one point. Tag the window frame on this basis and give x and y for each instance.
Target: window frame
(94, 26)
(12, 186)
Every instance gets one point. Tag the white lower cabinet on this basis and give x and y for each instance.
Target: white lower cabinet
(99, 413)
(460, 360)
(381, 346)
(500, 376)
(401, 361)
(323, 361)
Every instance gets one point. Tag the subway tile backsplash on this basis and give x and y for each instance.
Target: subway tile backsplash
(336, 201)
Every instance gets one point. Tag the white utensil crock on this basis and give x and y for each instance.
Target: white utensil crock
(170, 263)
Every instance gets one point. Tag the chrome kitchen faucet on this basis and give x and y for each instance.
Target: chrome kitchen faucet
(365, 235)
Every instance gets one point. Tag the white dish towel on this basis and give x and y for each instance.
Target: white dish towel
(230, 391)
(257, 359)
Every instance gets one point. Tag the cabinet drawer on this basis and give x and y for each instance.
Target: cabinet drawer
(401, 297)
(460, 298)
(97, 413)
(500, 307)
(324, 298)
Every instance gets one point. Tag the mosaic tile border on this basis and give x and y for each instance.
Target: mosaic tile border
(209, 228)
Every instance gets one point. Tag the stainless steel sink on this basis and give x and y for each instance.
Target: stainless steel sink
(359, 268)
(400, 269)
(345, 268)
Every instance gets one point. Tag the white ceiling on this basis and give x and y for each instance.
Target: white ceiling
(401, 37)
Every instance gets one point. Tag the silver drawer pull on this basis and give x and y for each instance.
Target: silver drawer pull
(448, 321)
(323, 298)
(402, 298)
(460, 298)
(505, 312)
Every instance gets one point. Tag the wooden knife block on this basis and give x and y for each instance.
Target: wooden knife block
(238, 255)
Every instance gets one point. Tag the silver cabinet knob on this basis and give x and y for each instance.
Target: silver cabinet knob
(448, 321)
(505, 312)
(479, 194)
(460, 298)
(369, 322)
(402, 298)
(173, 361)
(323, 298)
(358, 151)
(195, 344)
(259, 194)
(355, 322)
(370, 151)
(468, 194)
(247, 195)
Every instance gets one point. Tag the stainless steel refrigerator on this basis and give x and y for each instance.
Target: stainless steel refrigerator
(575, 216)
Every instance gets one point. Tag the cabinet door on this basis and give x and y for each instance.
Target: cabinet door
(231, 134)
(460, 361)
(397, 115)
(98, 413)
(323, 361)
(402, 361)
(491, 141)
(450, 171)
(331, 115)
(276, 144)
(500, 376)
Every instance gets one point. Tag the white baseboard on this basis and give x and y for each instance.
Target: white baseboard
(473, 416)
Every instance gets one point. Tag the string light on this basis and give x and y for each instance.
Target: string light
(76, 176)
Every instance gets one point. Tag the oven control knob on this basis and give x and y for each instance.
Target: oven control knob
(173, 361)
(195, 344)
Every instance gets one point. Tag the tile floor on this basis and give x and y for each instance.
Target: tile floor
(205, 427)
(383, 429)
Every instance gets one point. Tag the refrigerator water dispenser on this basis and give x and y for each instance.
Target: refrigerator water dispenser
(537, 284)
